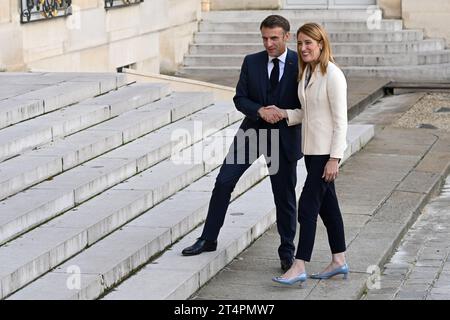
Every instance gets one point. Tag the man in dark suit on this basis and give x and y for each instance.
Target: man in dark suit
(267, 79)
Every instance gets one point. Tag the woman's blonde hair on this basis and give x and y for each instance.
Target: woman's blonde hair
(318, 33)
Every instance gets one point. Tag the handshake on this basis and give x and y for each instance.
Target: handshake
(272, 114)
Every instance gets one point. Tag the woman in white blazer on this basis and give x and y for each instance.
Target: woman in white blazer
(323, 95)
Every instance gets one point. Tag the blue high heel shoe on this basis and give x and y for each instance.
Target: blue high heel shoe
(290, 281)
(327, 275)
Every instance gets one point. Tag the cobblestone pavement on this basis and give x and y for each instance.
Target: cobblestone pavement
(432, 111)
(420, 267)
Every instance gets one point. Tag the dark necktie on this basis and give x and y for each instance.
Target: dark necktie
(275, 74)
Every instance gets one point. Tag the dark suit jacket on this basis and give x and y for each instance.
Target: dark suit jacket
(252, 94)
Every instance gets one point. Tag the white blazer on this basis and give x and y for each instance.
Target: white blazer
(323, 114)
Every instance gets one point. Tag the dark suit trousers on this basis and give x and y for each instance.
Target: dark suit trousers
(283, 187)
(318, 197)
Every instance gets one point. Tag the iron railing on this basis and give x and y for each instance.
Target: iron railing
(35, 10)
(110, 4)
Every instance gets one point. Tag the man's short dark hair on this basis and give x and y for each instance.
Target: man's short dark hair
(274, 21)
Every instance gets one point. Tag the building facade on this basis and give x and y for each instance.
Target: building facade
(150, 35)
(96, 35)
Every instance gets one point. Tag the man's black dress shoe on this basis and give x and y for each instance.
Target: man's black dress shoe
(199, 246)
(286, 264)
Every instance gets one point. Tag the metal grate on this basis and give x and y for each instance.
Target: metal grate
(110, 4)
(36, 10)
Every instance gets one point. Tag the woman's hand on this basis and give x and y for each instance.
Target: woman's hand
(331, 170)
(272, 114)
(281, 112)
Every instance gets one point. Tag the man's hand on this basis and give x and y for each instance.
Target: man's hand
(272, 114)
(281, 112)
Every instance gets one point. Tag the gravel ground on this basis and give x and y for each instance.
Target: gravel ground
(433, 110)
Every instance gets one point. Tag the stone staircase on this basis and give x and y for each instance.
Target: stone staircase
(361, 46)
(101, 178)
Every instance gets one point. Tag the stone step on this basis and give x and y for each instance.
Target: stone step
(68, 120)
(172, 276)
(37, 165)
(198, 72)
(48, 245)
(111, 260)
(114, 258)
(28, 209)
(335, 37)
(310, 14)
(422, 58)
(107, 79)
(29, 97)
(338, 25)
(17, 83)
(430, 72)
(365, 48)
(185, 275)
(432, 57)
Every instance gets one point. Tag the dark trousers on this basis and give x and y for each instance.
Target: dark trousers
(283, 187)
(318, 197)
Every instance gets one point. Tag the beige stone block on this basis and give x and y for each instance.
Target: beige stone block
(426, 6)
(41, 53)
(149, 65)
(122, 34)
(433, 24)
(122, 18)
(11, 56)
(68, 62)
(89, 60)
(95, 60)
(244, 4)
(206, 5)
(154, 15)
(129, 51)
(85, 29)
(174, 44)
(392, 9)
(432, 17)
(181, 12)
(88, 4)
(5, 11)
(43, 39)
(14, 5)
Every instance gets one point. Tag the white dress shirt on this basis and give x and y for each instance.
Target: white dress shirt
(282, 63)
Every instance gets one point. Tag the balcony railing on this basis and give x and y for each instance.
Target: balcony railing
(110, 4)
(35, 10)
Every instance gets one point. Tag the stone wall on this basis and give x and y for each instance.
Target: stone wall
(392, 9)
(431, 16)
(152, 36)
